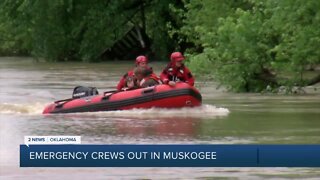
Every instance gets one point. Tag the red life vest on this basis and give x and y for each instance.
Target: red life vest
(122, 82)
(172, 73)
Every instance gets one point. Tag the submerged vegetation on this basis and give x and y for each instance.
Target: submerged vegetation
(246, 45)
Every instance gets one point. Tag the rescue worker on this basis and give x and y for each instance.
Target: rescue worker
(145, 77)
(141, 61)
(176, 71)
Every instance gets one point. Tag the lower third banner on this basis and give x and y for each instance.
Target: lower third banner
(170, 156)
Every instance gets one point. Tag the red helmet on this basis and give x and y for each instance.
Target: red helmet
(141, 59)
(176, 56)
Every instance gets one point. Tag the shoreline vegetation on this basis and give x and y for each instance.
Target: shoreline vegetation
(247, 46)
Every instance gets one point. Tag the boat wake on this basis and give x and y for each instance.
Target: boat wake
(28, 109)
(204, 111)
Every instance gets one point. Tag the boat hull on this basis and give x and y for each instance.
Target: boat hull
(161, 96)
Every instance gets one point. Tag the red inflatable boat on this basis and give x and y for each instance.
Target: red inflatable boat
(162, 96)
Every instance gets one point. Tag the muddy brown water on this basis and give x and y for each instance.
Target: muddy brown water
(224, 118)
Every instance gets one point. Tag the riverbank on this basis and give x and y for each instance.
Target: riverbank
(201, 81)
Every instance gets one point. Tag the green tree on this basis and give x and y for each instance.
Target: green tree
(248, 45)
(66, 30)
(13, 39)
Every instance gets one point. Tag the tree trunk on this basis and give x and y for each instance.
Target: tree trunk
(267, 76)
(143, 17)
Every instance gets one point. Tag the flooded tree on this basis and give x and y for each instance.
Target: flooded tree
(246, 45)
(250, 45)
(82, 30)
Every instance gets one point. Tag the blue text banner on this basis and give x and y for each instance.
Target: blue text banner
(170, 155)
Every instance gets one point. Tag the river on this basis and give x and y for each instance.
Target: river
(224, 118)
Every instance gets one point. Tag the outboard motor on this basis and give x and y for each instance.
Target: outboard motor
(82, 91)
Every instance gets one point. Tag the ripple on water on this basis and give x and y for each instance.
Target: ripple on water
(204, 111)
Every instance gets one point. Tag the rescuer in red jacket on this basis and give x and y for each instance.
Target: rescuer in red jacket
(126, 82)
(176, 71)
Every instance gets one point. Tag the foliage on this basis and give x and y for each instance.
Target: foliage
(247, 45)
(66, 30)
(250, 42)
